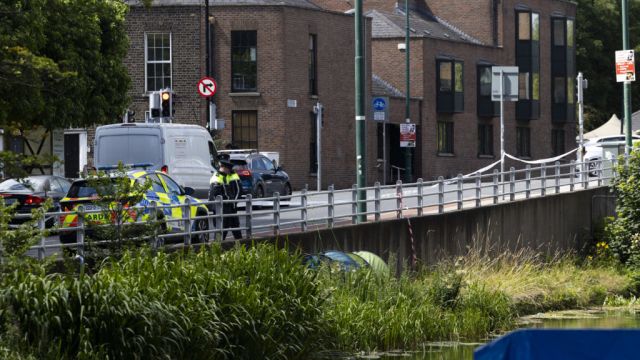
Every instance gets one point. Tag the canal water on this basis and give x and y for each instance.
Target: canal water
(581, 319)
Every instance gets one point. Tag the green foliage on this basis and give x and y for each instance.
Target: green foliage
(123, 221)
(245, 303)
(623, 232)
(61, 62)
(15, 165)
(598, 36)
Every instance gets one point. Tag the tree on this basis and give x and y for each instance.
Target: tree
(61, 62)
(599, 35)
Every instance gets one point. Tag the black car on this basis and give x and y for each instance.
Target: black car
(259, 176)
(30, 192)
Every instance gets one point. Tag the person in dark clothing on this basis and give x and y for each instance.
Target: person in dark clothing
(226, 183)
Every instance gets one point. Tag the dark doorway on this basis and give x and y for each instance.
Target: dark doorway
(396, 154)
(71, 155)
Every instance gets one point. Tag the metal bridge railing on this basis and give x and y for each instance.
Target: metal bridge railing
(307, 210)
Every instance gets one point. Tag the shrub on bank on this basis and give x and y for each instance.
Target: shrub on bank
(244, 303)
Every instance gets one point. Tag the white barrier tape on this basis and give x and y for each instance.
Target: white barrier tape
(541, 161)
(480, 171)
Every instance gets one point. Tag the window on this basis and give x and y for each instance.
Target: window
(484, 75)
(268, 165)
(257, 164)
(313, 155)
(450, 86)
(570, 33)
(157, 61)
(244, 129)
(523, 86)
(445, 137)
(523, 141)
(313, 68)
(485, 107)
(445, 76)
(172, 186)
(156, 185)
(558, 32)
(244, 65)
(557, 141)
(571, 91)
(524, 26)
(559, 90)
(485, 139)
(528, 62)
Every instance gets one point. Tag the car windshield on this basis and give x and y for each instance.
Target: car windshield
(26, 184)
(84, 189)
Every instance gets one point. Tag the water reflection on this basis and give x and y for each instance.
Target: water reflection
(595, 319)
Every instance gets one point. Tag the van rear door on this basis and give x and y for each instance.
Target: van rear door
(190, 163)
(129, 145)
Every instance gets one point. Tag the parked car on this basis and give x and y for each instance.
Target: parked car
(163, 191)
(594, 150)
(185, 152)
(259, 175)
(30, 192)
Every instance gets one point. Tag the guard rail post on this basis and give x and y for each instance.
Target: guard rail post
(376, 201)
(420, 199)
(478, 189)
(543, 179)
(354, 204)
(43, 239)
(601, 173)
(80, 232)
(248, 215)
(512, 183)
(459, 190)
(557, 176)
(399, 199)
(303, 210)
(614, 171)
(219, 208)
(527, 186)
(186, 215)
(440, 194)
(496, 189)
(330, 207)
(276, 214)
(585, 177)
(572, 175)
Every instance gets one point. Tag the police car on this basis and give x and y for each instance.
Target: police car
(163, 191)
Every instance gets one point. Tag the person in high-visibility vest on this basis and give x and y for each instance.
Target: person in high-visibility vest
(226, 183)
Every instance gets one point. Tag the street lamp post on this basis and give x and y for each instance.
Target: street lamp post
(407, 112)
(360, 116)
(627, 84)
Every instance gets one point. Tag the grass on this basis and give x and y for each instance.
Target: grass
(261, 302)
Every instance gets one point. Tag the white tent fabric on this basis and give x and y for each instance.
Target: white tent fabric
(611, 127)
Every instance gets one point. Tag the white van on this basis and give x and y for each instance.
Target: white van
(185, 152)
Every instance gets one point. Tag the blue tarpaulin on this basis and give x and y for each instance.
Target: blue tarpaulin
(556, 344)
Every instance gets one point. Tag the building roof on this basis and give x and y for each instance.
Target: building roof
(308, 4)
(380, 87)
(392, 25)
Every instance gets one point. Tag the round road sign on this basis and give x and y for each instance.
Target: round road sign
(207, 87)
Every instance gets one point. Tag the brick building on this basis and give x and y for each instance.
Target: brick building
(453, 45)
(273, 61)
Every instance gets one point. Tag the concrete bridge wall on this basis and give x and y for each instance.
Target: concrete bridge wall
(549, 224)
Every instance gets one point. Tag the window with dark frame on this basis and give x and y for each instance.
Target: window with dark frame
(485, 140)
(562, 69)
(313, 144)
(557, 141)
(244, 64)
(528, 61)
(244, 129)
(485, 107)
(157, 61)
(313, 66)
(445, 137)
(450, 86)
(523, 141)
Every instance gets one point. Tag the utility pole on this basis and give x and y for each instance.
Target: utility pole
(581, 85)
(360, 116)
(627, 84)
(207, 56)
(407, 112)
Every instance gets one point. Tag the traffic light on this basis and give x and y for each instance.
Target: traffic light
(165, 103)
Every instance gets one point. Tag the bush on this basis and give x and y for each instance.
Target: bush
(245, 303)
(623, 232)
